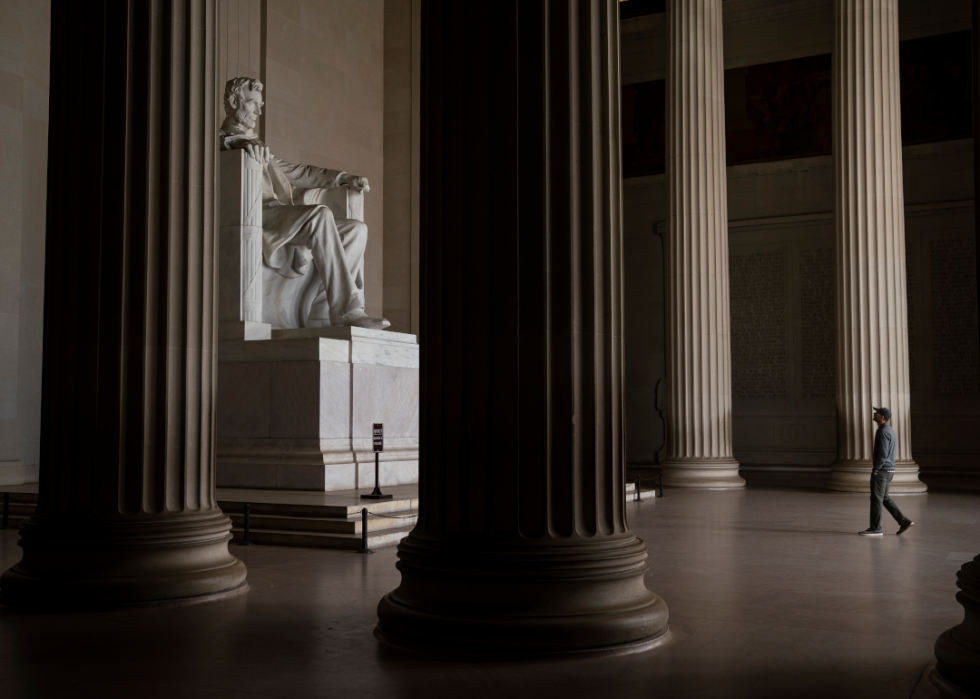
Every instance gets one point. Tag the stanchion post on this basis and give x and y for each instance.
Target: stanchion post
(638, 496)
(245, 540)
(364, 532)
(379, 445)
(6, 511)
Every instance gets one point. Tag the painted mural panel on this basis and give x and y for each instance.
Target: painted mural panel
(777, 111)
(936, 93)
(782, 110)
(644, 128)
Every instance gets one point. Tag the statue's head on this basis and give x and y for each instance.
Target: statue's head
(243, 100)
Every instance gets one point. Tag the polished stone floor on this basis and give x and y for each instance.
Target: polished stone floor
(771, 594)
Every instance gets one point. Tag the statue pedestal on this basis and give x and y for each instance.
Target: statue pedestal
(296, 411)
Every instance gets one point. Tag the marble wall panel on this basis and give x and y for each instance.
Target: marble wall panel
(941, 249)
(643, 299)
(335, 404)
(401, 158)
(295, 400)
(24, 61)
(785, 206)
(385, 394)
(777, 418)
(244, 395)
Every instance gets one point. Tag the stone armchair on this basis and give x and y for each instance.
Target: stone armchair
(253, 298)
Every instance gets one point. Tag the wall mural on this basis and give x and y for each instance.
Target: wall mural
(782, 110)
(936, 90)
(644, 128)
(778, 110)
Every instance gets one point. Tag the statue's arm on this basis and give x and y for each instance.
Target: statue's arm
(311, 177)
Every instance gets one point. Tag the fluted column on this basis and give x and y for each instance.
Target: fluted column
(869, 219)
(699, 346)
(522, 541)
(126, 510)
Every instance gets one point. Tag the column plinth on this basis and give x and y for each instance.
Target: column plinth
(522, 542)
(126, 509)
(699, 369)
(869, 221)
(566, 596)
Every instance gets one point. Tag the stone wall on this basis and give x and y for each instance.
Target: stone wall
(24, 68)
(781, 246)
(401, 149)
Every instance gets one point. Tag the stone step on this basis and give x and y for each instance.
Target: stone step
(21, 509)
(350, 542)
(300, 503)
(324, 525)
(21, 506)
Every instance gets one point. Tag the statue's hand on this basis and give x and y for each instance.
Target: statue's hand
(259, 153)
(358, 184)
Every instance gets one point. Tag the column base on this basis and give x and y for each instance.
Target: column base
(702, 474)
(949, 690)
(131, 561)
(957, 673)
(521, 599)
(854, 476)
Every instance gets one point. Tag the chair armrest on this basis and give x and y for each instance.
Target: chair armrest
(344, 202)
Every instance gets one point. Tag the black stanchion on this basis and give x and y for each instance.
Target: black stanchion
(638, 496)
(245, 541)
(6, 511)
(364, 532)
(377, 494)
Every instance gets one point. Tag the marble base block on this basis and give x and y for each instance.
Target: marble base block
(230, 330)
(296, 411)
(16, 473)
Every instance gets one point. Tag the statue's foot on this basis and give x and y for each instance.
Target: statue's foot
(359, 319)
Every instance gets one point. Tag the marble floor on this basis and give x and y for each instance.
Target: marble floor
(771, 594)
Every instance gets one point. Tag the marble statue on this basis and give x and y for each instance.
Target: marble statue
(297, 225)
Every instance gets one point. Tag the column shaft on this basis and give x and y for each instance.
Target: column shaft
(699, 371)
(869, 218)
(522, 541)
(126, 510)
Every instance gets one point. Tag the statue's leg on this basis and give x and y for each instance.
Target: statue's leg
(354, 235)
(344, 293)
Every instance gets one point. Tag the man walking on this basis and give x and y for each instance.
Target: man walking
(882, 472)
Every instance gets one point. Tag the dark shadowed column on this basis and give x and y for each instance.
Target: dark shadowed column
(522, 541)
(127, 511)
(957, 673)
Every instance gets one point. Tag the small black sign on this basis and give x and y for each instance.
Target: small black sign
(379, 436)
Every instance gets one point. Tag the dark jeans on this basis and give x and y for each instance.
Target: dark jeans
(879, 497)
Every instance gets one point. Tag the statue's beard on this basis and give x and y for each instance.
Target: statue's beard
(243, 117)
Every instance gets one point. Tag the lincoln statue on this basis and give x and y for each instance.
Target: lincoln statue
(297, 225)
